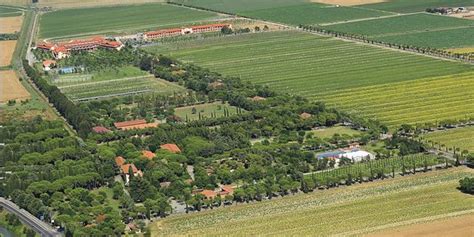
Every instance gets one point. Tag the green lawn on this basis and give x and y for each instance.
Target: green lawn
(462, 138)
(392, 86)
(355, 210)
(102, 20)
(205, 111)
(286, 11)
(417, 5)
(112, 202)
(329, 132)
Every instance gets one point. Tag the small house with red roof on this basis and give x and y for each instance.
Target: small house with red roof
(173, 148)
(208, 194)
(49, 64)
(119, 161)
(135, 124)
(100, 129)
(148, 154)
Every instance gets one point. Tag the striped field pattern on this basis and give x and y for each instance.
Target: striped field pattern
(462, 138)
(394, 87)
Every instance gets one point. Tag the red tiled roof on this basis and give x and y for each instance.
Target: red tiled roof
(49, 62)
(159, 32)
(148, 154)
(100, 129)
(171, 148)
(227, 189)
(119, 161)
(126, 168)
(129, 123)
(209, 193)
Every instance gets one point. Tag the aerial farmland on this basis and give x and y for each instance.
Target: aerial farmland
(237, 118)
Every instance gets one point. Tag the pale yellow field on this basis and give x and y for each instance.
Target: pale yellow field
(10, 25)
(454, 227)
(11, 88)
(7, 48)
(90, 3)
(462, 50)
(348, 2)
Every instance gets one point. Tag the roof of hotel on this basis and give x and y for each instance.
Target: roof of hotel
(48, 62)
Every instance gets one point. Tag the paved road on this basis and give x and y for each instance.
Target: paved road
(28, 219)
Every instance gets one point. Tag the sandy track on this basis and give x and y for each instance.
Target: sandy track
(10, 25)
(7, 48)
(348, 2)
(11, 88)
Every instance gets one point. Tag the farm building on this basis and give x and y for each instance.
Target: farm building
(63, 49)
(135, 124)
(173, 148)
(183, 31)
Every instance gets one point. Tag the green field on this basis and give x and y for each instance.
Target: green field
(112, 83)
(355, 77)
(423, 30)
(286, 11)
(205, 111)
(417, 5)
(88, 21)
(355, 210)
(9, 11)
(462, 138)
(329, 132)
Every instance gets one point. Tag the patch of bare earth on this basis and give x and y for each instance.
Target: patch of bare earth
(11, 88)
(10, 25)
(459, 226)
(7, 47)
(348, 2)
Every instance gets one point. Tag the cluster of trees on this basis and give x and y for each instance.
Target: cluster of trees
(58, 186)
(429, 51)
(467, 185)
(8, 37)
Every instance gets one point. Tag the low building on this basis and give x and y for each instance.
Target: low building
(135, 124)
(100, 129)
(173, 148)
(125, 170)
(148, 154)
(150, 35)
(48, 64)
(63, 49)
(355, 155)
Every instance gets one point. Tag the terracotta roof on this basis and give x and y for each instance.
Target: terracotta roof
(100, 129)
(126, 168)
(148, 154)
(227, 190)
(171, 148)
(159, 32)
(135, 124)
(48, 62)
(209, 194)
(119, 161)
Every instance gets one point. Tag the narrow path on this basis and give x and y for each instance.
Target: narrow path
(367, 19)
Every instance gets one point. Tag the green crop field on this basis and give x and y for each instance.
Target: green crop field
(88, 21)
(286, 11)
(442, 39)
(9, 11)
(112, 83)
(425, 30)
(355, 210)
(355, 77)
(205, 111)
(462, 138)
(417, 5)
